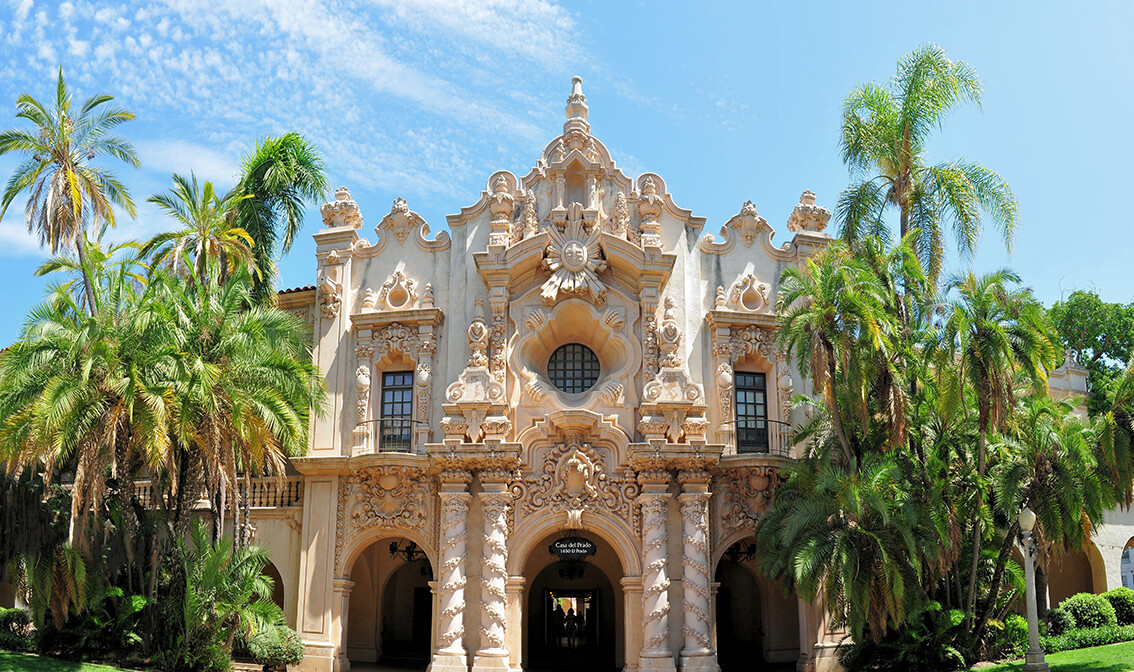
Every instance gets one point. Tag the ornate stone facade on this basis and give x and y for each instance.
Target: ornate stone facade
(447, 490)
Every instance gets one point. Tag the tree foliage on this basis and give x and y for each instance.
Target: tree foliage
(1101, 337)
(885, 132)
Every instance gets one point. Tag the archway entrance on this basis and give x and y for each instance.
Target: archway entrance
(390, 620)
(757, 624)
(573, 610)
(1126, 565)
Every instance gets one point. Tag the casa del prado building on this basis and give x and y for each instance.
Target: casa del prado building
(552, 430)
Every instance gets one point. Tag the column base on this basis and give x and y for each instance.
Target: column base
(662, 662)
(449, 662)
(318, 657)
(1034, 662)
(491, 661)
(700, 662)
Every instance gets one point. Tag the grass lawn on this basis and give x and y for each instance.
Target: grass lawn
(1110, 658)
(11, 662)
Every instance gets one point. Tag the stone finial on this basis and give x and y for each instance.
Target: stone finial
(342, 211)
(577, 102)
(807, 216)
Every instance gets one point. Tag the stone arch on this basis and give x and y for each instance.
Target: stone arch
(534, 529)
(270, 570)
(380, 625)
(603, 576)
(1078, 571)
(720, 546)
(765, 631)
(1125, 562)
(365, 539)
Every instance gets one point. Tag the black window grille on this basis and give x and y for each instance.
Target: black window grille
(751, 413)
(395, 424)
(573, 368)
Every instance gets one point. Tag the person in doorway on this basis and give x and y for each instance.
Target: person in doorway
(558, 624)
(571, 625)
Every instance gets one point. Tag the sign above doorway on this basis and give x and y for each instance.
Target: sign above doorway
(572, 548)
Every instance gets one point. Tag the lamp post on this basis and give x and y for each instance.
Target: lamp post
(1033, 660)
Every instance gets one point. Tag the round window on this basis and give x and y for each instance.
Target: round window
(573, 368)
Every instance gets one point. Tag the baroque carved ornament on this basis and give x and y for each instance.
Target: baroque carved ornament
(744, 494)
(575, 259)
(389, 497)
(573, 477)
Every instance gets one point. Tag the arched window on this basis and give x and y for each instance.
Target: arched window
(573, 368)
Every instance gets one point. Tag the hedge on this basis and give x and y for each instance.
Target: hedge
(1081, 638)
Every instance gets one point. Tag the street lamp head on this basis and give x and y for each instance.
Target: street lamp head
(1027, 519)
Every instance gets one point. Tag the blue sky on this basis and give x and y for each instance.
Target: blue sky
(727, 101)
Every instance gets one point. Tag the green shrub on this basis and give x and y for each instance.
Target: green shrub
(15, 621)
(1082, 638)
(10, 641)
(930, 639)
(1122, 599)
(276, 646)
(1014, 639)
(1059, 622)
(1089, 610)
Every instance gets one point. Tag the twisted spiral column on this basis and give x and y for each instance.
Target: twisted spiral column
(451, 654)
(697, 652)
(654, 500)
(495, 505)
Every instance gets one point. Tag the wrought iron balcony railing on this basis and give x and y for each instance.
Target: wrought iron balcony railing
(392, 435)
(760, 435)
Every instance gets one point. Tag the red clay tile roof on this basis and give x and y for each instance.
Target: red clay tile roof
(294, 290)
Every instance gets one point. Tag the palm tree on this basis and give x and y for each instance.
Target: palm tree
(278, 179)
(247, 386)
(207, 228)
(832, 317)
(1048, 461)
(226, 595)
(66, 193)
(991, 337)
(847, 535)
(886, 129)
(83, 389)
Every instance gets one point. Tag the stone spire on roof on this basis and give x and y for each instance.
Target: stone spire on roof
(577, 102)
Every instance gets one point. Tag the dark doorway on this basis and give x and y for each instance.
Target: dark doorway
(740, 624)
(407, 616)
(571, 619)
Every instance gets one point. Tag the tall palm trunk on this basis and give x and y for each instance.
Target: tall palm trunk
(836, 417)
(88, 286)
(977, 527)
(125, 478)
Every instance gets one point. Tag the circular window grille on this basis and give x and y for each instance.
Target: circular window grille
(573, 368)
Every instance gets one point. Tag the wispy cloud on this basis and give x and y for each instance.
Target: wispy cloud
(418, 96)
(183, 157)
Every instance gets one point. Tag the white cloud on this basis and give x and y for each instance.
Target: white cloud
(419, 97)
(180, 156)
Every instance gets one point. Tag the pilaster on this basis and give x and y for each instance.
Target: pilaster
(515, 590)
(342, 587)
